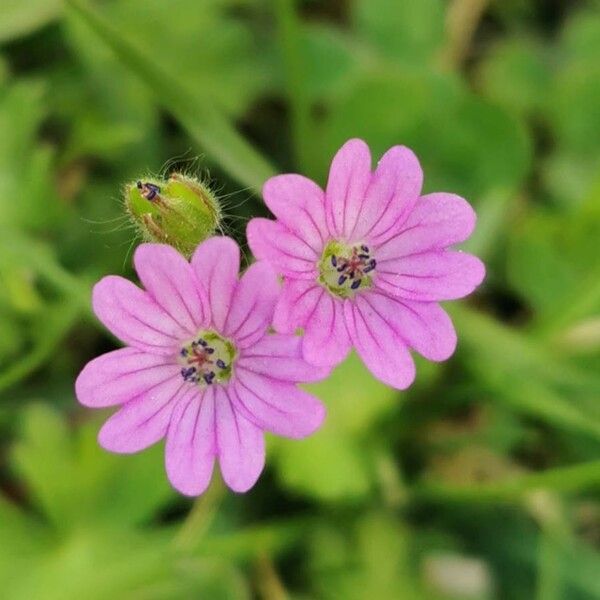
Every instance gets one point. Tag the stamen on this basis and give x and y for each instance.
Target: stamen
(344, 269)
(207, 359)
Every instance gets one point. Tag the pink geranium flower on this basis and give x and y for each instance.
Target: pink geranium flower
(201, 368)
(366, 262)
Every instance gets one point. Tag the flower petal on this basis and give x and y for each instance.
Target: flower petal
(436, 222)
(431, 276)
(299, 204)
(378, 345)
(121, 375)
(241, 445)
(424, 326)
(171, 282)
(275, 406)
(297, 301)
(142, 421)
(349, 178)
(216, 263)
(326, 341)
(134, 317)
(288, 253)
(392, 193)
(191, 442)
(280, 357)
(253, 304)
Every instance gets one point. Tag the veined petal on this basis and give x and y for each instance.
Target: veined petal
(142, 421)
(216, 263)
(134, 317)
(280, 357)
(170, 281)
(378, 345)
(296, 302)
(393, 191)
(241, 444)
(436, 222)
(349, 178)
(326, 341)
(191, 443)
(121, 375)
(276, 406)
(424, 326)
(299, 204)
(288, 253)
(431, 276)
(253, 304)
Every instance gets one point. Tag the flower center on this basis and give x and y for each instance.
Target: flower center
(344, 269)
(207, 359)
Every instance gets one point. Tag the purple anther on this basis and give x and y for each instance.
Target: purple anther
(221, 364)
(355, 284)
(334, 260)
(342, 279)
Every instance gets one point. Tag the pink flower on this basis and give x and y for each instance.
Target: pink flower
(366, 262)
(200, 369)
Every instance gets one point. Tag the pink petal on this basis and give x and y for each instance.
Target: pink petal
(170, 281)
(299, 204)
(436, 222)
(241, 445)
(296, 302)
(382, 351)
(253, 304)
(120, 376)
(424, 326)
(216, 263)
(191, 443)
(288, 253)
(142, 421)
(326, 341)
(431, 276)
(280, 357)
(349, 178)
(134, 317)
(278, 407)
(392, 194)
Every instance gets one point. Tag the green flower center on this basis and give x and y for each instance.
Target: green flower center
(344, 269)
(207, 359)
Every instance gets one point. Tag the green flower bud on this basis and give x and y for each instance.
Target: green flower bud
(180, 211)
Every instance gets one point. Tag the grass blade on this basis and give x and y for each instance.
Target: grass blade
(204, 123)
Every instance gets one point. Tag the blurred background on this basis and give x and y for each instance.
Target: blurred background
(481, 481)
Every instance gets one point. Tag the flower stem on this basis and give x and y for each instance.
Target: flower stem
(200, 516)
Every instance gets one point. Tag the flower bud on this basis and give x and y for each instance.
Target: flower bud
(180, 211)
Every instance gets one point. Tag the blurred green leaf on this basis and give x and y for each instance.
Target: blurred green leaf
(22, 17)
(554, 263)
(516, 75)
(405, 31)
(196, 113)
(333, 464)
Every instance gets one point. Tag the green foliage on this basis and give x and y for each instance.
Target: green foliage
(479, 482)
